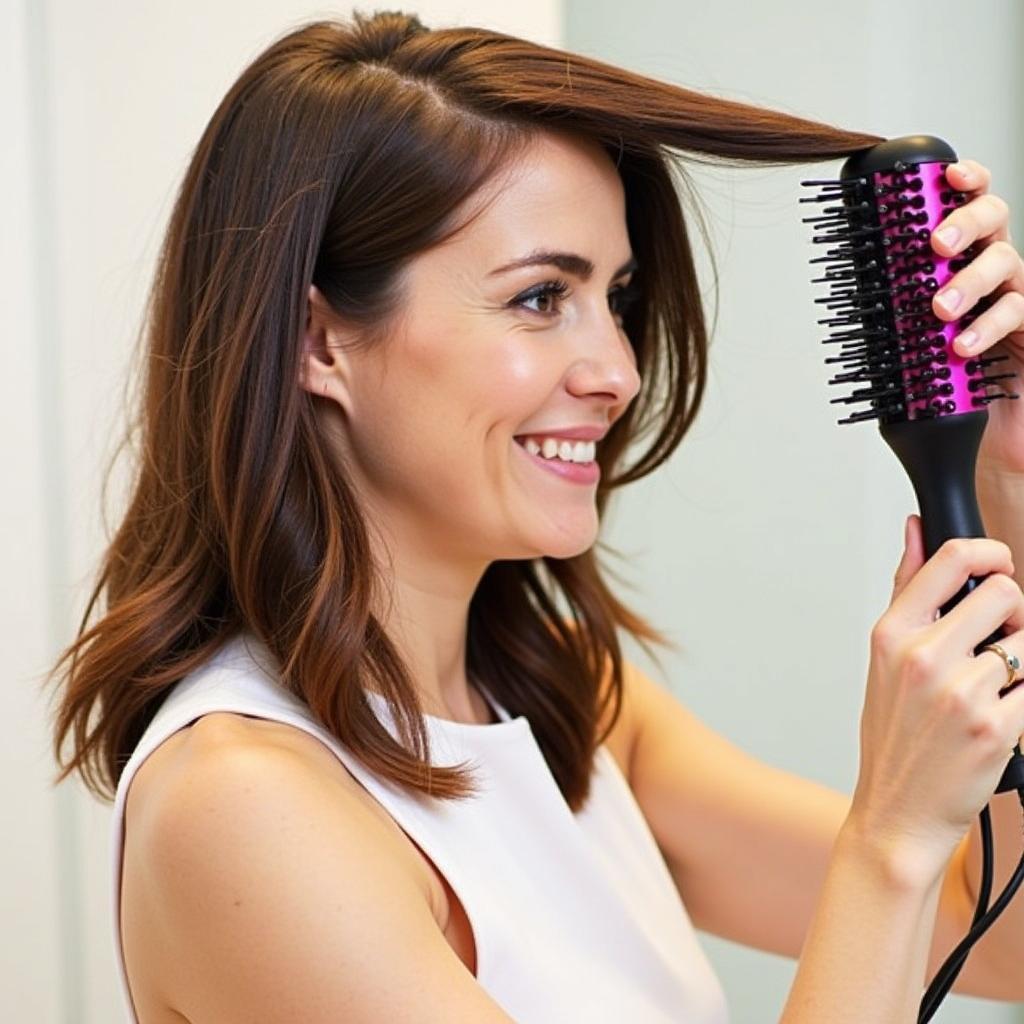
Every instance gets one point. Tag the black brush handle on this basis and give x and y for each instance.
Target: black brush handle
(940, 457)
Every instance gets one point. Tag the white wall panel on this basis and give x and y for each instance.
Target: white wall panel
(103, 104)
(34, 897)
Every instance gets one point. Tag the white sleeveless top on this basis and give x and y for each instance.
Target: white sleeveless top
(575, 916)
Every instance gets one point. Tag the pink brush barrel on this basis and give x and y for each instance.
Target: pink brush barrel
(882, 274)
(911, 202)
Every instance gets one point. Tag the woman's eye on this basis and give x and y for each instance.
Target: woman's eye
(619, 299)
(549, 290)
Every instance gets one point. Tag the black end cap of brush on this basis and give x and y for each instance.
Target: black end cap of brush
(909, 149)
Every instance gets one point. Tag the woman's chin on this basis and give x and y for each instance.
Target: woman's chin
(568, 543)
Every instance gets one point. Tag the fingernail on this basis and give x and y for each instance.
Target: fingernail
(968, 339)
(949, 299)
(948, 236)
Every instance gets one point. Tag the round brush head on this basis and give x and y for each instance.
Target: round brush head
(881, 273)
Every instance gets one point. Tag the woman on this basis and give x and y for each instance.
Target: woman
(419, 294)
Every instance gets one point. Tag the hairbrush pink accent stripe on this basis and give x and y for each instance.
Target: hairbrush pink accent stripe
(928, 199)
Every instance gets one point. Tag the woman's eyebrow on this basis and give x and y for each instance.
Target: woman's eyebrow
(568, 262)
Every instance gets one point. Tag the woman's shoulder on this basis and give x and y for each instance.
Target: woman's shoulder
(229, 810)
(201, 752)
(222, 756)
(237, 829)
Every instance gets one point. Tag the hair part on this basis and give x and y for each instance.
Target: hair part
(342, 152)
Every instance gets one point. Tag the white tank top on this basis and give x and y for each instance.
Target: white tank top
(575, 916)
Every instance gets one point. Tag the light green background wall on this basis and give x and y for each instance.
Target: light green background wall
(767, 545)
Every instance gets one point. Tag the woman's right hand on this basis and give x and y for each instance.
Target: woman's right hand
(935, 735)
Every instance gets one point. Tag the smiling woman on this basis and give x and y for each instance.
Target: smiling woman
(472, 368)
(420, 293)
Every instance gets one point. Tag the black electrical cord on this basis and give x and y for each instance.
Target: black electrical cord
(947, 973)
(983, 916)
(959, 955)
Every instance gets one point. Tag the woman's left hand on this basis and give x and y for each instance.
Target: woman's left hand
(997, 270)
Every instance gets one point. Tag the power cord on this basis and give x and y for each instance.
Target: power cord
(1013, 778)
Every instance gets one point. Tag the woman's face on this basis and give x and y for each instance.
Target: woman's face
(484, 357)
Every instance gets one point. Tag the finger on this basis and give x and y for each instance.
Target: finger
(1003, 318)
(942, 576)
(998, 263)
(991, 671)
(997, 602)
(969, 176)
(913, 555)
(985, 216)
(1011, 706)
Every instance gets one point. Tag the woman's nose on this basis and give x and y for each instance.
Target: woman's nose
(606, 363)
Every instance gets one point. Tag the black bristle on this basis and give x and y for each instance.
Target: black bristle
(880, 275)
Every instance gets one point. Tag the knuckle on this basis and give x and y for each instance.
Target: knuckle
(986, 728)
(956, 703)
(1006, 586)
(956, 551)
(919, 664)
(998, 204)
(1005, 248)
(883, 636)
(965, 552)
(968, 280)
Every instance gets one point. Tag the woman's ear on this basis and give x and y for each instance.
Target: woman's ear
(326, 368)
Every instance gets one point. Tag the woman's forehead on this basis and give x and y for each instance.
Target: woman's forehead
(560, 194)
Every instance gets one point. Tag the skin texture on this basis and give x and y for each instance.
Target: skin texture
(425, 422)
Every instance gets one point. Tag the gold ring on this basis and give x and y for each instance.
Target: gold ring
(1011, 661)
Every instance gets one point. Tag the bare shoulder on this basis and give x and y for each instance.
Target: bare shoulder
(250, 854)
(234, 742)
(222, 731)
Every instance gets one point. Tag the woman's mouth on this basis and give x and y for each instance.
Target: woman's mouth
(558, 455)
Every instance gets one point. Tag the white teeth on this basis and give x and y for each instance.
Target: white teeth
(567, 451)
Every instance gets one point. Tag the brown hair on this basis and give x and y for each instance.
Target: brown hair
(339, 154)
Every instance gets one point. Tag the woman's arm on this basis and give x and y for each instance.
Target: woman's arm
(750, 847)
(867, 948)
